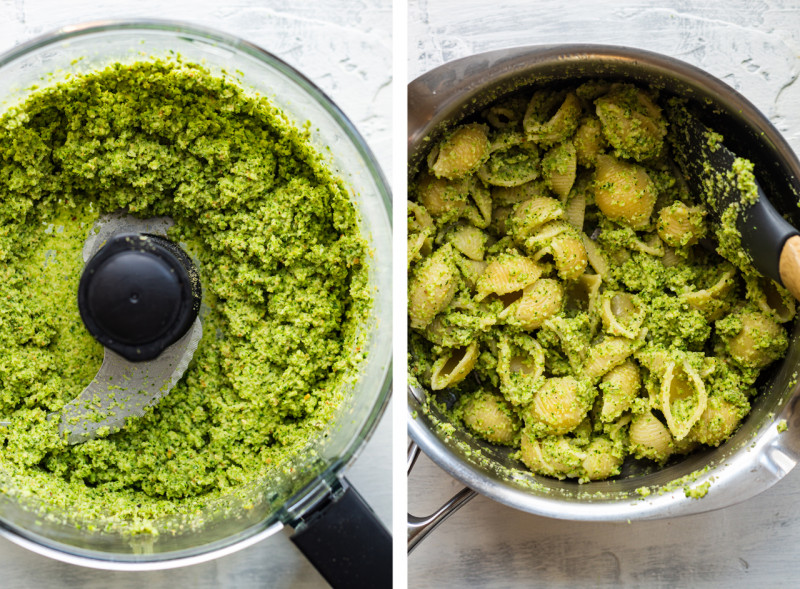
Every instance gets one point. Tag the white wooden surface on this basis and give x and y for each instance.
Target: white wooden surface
(345, 47)
(752, 45)
(754, 544)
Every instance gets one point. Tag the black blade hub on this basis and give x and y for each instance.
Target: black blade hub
(138, 295)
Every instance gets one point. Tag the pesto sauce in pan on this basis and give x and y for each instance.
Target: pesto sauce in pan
(666, 291)
(282, 265)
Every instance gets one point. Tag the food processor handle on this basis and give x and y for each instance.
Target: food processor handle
(346, 542)
(420, 527)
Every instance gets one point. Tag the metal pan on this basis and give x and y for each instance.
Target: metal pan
(757, 455)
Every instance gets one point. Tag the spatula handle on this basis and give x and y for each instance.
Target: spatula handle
(789, 265)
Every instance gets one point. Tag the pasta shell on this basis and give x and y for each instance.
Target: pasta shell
(520, 369)
(683, 398)
(553, 456)
(513, 161)
(622, 313)
(559, 166)
(575, 210)
(589, 142)
(653, 358)
(532, 214)
(432, 287)
(420, 232)
(442, 197)
(620, 387)
(505, 139)
(509, 195)
(759, 340)
(460, 153)
(602, 460)
(507, 274)
(652, 246)
(544, 236)
(471, 270)
(607, 354)
(479, 213)
(418, 218)
(571, 342)
(631, 122)
(502, 117)
(532, 456)
(618, 430)
(441, 333)
(624, 192)
(710, 301)
(649, 438)
(527, 365)
(506, 114)
(468, 240)
(680, 225)
(551, 117)
(447, 330)
(418, 247)
(717, 422)
(569, 255)
(540, 301)
(453, 367)
(490, 416)
(560, 240)
(595, 256)
(670, 259)
(557, 406)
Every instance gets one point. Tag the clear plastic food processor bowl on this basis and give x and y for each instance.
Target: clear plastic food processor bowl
(237, 521)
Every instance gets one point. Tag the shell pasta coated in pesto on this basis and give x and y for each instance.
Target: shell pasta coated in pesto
(566, 296)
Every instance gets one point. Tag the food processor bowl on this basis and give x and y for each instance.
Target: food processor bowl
(758, 454)
(313, 479)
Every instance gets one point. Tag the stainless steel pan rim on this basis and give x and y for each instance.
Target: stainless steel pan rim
(758, 455)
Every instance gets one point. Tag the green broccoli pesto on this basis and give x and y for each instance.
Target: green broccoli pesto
(283, 271)
(697, 492)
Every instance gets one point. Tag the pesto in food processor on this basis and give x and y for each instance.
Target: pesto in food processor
(282, 264)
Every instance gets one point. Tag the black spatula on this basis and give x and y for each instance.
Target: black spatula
(713, 172)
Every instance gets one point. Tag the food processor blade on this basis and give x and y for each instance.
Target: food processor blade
(123, 388)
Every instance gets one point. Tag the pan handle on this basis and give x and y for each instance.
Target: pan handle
(420, 527)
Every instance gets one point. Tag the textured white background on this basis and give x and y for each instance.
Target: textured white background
(753, 46)
(345, 46)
